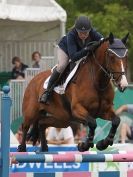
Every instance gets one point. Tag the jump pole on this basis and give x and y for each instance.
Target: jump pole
(5, 132)
(42, 158)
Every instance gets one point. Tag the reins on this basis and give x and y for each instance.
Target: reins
(108, 73)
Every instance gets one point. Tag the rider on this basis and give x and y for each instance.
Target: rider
(72, 46)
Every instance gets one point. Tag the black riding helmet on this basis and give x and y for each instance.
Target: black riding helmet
(83, 24)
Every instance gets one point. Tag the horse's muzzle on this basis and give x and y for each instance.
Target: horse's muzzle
(121, 89)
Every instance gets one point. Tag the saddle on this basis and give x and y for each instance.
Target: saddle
(66, 73)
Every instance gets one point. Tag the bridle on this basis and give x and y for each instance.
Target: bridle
(108, 72)
(112, 73)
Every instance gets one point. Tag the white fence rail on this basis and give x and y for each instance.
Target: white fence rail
(47, 62)
(30, 73)
(17, 89)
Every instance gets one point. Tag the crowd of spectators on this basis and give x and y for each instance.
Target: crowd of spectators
(18, 70)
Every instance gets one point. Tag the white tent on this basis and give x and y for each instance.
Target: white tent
(26, 26)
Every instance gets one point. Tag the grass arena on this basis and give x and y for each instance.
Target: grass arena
(60, 161)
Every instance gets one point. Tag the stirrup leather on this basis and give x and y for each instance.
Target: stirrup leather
(45, 96)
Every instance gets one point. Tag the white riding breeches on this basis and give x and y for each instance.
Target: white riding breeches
(62, 59)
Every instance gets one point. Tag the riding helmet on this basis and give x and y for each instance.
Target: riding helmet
(83, 24)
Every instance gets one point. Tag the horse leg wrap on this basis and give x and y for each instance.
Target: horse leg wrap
(92, 126)
(115, 123)
(103, 144)
(88, 143)
(92, 123)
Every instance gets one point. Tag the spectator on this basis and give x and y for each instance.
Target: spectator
(18, 135)
(126, 128)
(36, 57)
(18, 71)
(60, 136)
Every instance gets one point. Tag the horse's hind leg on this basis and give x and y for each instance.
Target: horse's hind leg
(42, 133)
(84, 146)
(33, 134)
(22, 146)
(103, 144)
(42, 129)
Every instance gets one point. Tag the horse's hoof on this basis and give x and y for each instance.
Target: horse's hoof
(100, 145)
(83, 146)
(103, 144)
(21, 148)
(44, 149)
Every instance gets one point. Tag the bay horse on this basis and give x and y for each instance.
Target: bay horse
(88, 98)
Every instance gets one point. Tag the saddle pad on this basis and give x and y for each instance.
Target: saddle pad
(60, 89)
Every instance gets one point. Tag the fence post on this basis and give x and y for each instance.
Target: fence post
(5, 131)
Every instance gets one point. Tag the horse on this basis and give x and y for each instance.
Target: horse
(88, 97)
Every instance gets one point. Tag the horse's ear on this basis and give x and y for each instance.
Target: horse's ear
(124, 40)
(111, 38)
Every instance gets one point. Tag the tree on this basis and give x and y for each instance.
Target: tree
(117, 19)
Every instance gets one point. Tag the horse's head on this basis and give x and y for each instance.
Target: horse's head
(116, 61)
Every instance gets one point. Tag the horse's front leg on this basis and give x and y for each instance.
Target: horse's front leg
(82, 115)
(103, 144)
(88, 143)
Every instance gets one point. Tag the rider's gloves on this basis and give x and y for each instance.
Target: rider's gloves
(92, 47)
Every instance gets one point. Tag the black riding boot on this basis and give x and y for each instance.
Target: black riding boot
(52, 81)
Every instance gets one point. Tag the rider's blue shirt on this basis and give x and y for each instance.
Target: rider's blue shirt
(74, 47)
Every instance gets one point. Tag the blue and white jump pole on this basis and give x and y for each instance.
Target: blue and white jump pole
(5, 132)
